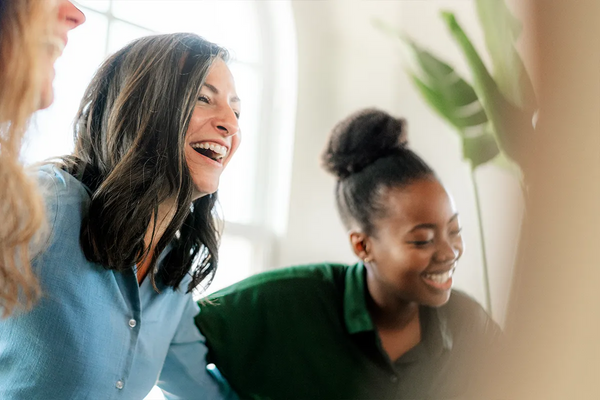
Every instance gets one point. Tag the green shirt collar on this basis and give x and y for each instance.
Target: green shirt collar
(437, 335)
(356, 314)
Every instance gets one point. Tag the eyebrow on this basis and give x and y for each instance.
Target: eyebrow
(213, 89)
(432, 226)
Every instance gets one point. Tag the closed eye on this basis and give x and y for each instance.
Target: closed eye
(421, 243)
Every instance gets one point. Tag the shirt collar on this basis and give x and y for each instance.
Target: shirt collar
(437, 336)
(356, 315)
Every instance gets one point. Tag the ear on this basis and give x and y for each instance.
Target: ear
(360, 244)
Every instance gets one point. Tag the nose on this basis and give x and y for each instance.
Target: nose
(227, 123)
(70, 15)
(448, 252)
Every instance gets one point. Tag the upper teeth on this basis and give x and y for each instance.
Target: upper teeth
(441, 277)
(217, 148)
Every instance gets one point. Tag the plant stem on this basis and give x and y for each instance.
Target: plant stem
(486, 275)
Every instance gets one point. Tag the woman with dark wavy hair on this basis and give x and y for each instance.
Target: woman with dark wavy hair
(132, 231)
(388, 327)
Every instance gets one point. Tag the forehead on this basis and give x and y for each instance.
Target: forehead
(219, 73)
(423, 201)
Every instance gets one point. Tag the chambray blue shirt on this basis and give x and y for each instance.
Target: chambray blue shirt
(96, 334)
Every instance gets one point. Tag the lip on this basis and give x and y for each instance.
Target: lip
(205, 159)
(439, 286)
(64, 38)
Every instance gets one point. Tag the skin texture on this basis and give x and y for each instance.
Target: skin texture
(419, 235)
(215, 120)
(68, 17)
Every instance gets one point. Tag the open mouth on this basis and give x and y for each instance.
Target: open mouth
(214, 151)
(439, 280)
(55, 46)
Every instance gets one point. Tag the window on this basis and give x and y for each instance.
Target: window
(260, 37)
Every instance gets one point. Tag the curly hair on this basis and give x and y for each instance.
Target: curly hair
(367, 154)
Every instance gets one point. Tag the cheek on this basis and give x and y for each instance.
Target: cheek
(235, 143)
(46, 79)
(459, 246)
(47, 91)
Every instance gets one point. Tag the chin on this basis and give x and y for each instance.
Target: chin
(201, 190)
(46, 100)
(438, 300)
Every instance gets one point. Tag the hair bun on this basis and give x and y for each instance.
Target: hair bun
(361, 139)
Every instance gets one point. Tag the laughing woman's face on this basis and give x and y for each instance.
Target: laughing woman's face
(213, 134)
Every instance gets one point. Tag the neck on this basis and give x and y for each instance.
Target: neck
(156, 229)
(387, 310)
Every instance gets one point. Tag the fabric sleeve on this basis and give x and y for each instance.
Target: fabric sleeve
(185, 373)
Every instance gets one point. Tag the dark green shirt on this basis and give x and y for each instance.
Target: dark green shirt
(305, 333)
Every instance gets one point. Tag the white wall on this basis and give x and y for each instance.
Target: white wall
(346, 64)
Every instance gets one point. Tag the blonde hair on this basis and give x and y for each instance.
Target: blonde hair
(23, 26)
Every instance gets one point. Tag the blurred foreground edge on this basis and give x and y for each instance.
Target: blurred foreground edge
(553, 320)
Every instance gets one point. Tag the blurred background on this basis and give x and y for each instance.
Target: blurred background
(300, 67)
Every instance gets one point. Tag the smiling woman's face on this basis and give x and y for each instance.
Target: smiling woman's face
(213, 134)
(67, 17)
(416, 244)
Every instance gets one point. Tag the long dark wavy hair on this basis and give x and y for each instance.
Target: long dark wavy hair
(130, 138)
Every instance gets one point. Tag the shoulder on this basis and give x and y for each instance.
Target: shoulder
(66, 200)
(462, 302)
(462, 306)
(56, 183)
(277, 291)
(318, 275)
(65, 197)
(465, 315)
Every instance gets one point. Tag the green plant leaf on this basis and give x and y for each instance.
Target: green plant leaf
(480, 149)
(501, 31)
(478, 143)
(453, 98)
(512, 127)
(449, 94)
(449, 111)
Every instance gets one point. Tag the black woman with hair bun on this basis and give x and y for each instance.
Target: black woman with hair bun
(388, 327)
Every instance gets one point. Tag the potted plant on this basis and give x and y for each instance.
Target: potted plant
(494, 114)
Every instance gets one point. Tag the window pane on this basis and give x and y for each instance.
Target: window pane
(236, 256)
(51, 132)
(238, 182)
(233, 24)
(98, 5)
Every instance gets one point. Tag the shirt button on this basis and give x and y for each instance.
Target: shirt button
(119, 385)
(394, 378)
(132, 323)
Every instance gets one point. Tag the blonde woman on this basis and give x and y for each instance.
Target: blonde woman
(33, 34)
